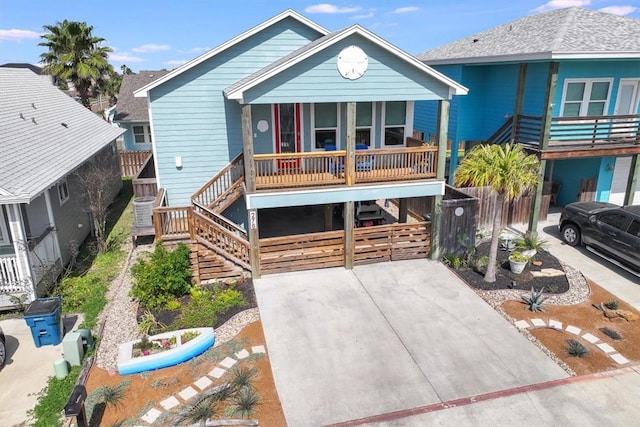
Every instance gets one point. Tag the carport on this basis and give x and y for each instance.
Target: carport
(347, 344)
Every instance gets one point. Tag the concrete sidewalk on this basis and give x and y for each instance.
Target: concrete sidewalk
(387, 337)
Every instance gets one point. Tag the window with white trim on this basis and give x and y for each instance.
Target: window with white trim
(364, 123)
(586, 97)
(325, 125)
(4, 235)
(395, 120)
(141, 134)
(63, 191)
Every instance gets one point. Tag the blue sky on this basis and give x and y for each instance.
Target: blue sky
(157, 34)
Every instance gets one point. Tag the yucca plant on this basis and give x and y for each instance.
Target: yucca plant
(113, 395)
(576, 349)
(245, 402)
(242, 377)
(534, 302)
(612, 305)
(531, 240)
(200, 412)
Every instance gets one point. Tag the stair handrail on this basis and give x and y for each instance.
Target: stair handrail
(503, 134)
(201, 195)
(220, 220)
(239, 243)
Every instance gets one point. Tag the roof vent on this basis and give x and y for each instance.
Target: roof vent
(476, 40)
(22, 116)
(33, 105)
(64, 125)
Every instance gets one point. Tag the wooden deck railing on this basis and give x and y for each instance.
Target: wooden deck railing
(132, 161)
(220, 220)
(171, 223)
(220, 240)
(222, 182)
(580, 130)
(274, 171)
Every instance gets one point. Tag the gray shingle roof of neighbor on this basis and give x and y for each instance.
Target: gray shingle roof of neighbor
(129, 108)
(565, 32)
(44, 135)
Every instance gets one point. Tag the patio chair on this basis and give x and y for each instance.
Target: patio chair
(335, 166)
(364, 163)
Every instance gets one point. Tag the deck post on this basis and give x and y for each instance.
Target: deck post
(350, 160)
(328, 217)
(517, 108)
(402, 210)
(631, 181)
(254, 244)
(436, 210)
(247, 150)
(349, 241)
(545, 131)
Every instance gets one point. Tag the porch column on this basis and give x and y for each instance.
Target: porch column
(52, 224)
(254, 244)
(402, 210)
(247, 150)
(436, 213)
(350, 160)
(328, 217)
(631, 181)
(517, 108)
(349, 241)
(21, 248)
(545, 131)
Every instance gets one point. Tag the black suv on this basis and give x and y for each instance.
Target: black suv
(611, 230)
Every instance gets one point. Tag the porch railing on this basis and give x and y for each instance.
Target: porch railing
(283, 170)
(171, 223)
(9, 276)
(224, 181)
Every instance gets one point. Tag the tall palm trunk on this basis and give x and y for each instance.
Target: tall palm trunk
(490, 275)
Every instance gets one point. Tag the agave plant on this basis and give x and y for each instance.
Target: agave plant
(534, 302)
(576, 349)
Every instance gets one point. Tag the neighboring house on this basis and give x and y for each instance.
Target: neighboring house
(286, 115)
(45, 138)
(132, 114)
(565, 83)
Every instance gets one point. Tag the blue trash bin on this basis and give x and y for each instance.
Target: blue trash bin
(44, 317)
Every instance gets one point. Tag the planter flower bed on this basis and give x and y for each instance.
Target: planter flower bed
(163, 350)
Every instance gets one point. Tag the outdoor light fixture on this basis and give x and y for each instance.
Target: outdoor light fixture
(178, 162)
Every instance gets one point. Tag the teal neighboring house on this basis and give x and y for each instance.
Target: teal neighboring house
(289, 115)
(132, 113)
(565, 83)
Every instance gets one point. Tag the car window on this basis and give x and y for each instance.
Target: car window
(615, 220)
(634, 228)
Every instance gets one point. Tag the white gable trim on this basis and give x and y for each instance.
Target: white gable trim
(289, 13)
(238, 92)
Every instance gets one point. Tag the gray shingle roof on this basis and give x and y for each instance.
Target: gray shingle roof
(44, 135)
(545, 36)
(130, 109)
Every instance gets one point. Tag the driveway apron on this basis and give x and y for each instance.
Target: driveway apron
(386, 337)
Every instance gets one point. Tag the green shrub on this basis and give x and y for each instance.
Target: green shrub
(148, 324)
(575, 349)
(173, 305)
(612, 305)
(205, 306)
(47, 411)
(165, 276)
(531, 240)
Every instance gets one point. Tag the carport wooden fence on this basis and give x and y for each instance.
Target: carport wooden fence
(302, 252)
(392, 242)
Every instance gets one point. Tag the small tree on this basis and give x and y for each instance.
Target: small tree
(509, 171)
(98, 179)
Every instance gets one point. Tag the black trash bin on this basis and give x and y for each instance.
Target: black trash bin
(44, 317)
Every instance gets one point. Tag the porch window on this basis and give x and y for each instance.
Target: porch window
(63, 192)
(4, 235)
(325, 125)
(395, 120)
(142, 134)
(586, 97)
(364, 123)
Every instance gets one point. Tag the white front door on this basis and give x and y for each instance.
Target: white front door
(628, 97)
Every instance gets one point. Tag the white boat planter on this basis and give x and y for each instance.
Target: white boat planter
(181, 352)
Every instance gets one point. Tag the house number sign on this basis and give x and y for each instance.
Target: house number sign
(253, 220)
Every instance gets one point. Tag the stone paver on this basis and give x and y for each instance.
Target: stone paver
(242, 354)
(591, 338)
(170, 402)
(606, 348)
(618, 358)
(228, 362)
(555, 324)
(258, 349)
(188, 393)
(522, 324)
(573, 330)
(216, 372)
(151, 416)
(538, 322)
(203, 383)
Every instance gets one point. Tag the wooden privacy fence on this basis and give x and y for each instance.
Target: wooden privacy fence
(132, 161)
(392, 242)
(144, 182)
(302, 252)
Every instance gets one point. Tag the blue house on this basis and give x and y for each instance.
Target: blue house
(565, 83)
(287, 120)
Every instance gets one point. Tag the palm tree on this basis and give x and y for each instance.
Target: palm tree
(75, 54)
(509, 171)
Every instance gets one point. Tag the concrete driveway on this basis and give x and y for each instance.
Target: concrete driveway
(387, 337)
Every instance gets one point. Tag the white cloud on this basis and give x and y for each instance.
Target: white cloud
(330, 8)
(619, 10)
(124, 57)
(177, 62)
(15, 35)
(148, 48)
(406, 9)
(363, 16)
(561, 4)
(195, 50)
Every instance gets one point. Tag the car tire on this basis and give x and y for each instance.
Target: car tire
(571, 234)
(3, 354)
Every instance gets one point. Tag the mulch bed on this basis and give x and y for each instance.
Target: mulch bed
(505, 279)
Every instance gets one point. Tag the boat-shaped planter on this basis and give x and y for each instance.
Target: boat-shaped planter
(178, 353)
